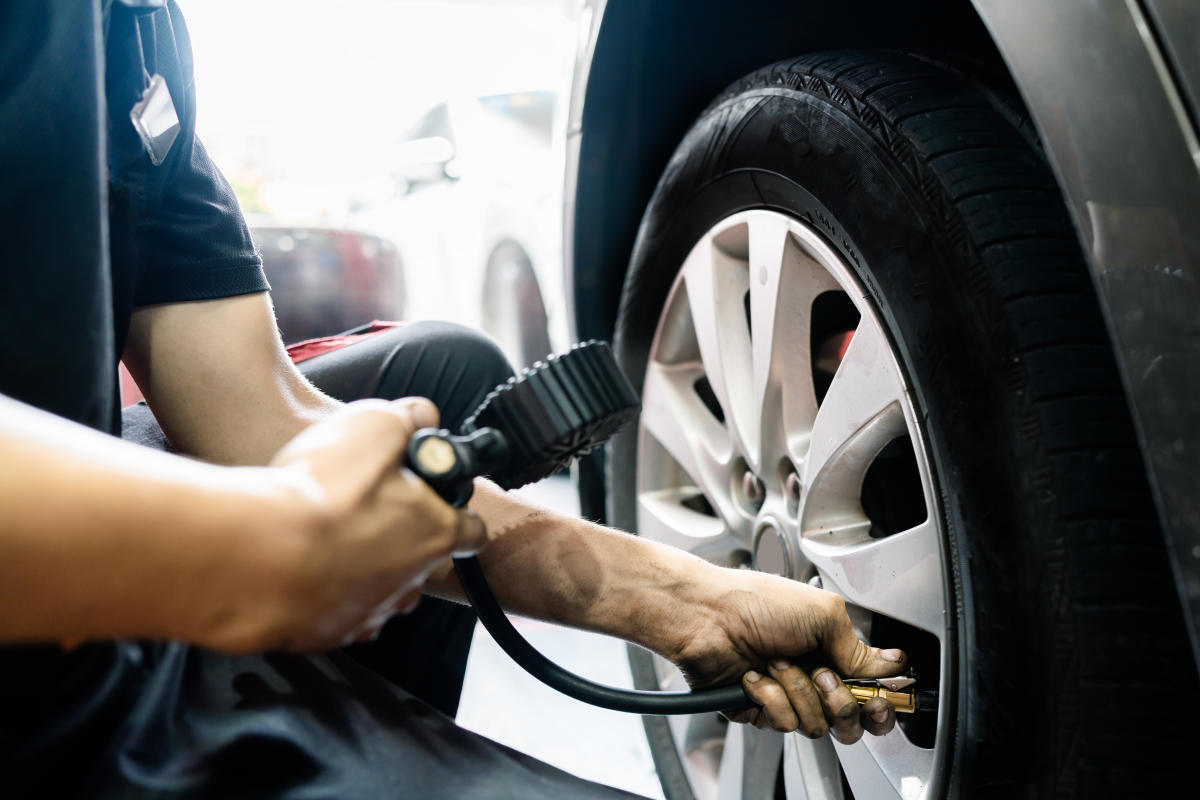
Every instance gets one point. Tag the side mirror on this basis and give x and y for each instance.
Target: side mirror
(424, 161)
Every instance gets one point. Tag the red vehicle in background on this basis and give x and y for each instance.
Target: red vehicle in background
(323, 281)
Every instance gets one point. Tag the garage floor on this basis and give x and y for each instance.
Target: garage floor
(504, 703)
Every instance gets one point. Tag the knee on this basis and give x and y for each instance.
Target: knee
(459, 343)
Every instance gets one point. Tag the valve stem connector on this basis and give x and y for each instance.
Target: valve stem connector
(905, 702)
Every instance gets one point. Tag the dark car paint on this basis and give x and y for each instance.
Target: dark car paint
(1103, 83)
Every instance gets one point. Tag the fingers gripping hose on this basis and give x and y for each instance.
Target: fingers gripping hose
(523, 431)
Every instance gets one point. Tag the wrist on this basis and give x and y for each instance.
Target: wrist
(676, 604)
(253, 554)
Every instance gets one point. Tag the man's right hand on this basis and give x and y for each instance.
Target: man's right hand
(355, 539)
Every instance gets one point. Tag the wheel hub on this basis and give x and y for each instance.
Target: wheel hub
(772, 550)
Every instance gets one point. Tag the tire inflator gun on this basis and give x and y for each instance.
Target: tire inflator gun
(525, 430)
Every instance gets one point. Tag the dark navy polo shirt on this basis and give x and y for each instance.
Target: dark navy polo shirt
(89, 230)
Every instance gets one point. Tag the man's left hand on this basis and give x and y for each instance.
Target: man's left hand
(758, 627)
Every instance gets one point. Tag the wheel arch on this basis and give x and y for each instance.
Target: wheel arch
(654, 68)
(502, 244)
(512, 250)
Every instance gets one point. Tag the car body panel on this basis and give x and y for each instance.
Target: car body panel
(1177, 24)
(1118, 135)
(648, 69)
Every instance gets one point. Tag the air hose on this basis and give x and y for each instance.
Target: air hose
(523, 431)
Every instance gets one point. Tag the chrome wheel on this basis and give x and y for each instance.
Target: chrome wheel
(778, 433)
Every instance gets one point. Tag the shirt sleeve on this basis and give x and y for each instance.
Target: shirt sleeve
(177, 232)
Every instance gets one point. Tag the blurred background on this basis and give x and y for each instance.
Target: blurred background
(403, 159)
(396, 158)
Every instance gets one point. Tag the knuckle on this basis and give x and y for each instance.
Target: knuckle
(472, 532)
(846, 711)
(386, 414)
(801, 686)
(415, 489)
(774, 695)
(755, 692)
(373, 411)
(836, 604)
(783, 724)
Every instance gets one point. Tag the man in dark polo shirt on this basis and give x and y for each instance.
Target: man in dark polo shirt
(154, 609)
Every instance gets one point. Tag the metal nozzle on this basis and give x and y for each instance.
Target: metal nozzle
(905, 702)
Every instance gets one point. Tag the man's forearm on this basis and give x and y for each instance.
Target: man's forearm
(570, 571)
(101, 538)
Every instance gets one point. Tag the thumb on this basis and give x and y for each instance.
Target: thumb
(422, 411)
(854, 658)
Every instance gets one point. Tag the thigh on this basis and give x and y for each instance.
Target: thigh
(289, 726)
(452, 365)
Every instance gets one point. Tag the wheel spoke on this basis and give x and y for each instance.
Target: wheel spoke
(886, 766)
(861, 413)
(783, 284)
(675, 416)
(662, 517)
(749, 764)
(865, 388)
(899, 576)
(810, 769)
(716, 285)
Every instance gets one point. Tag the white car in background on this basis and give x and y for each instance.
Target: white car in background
(476, 216)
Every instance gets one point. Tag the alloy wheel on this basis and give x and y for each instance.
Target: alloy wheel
(778, 433)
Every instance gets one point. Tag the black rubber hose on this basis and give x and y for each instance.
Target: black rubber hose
(470, 574)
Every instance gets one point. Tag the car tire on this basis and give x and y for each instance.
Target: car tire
(1069, 671)
(514, 313)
